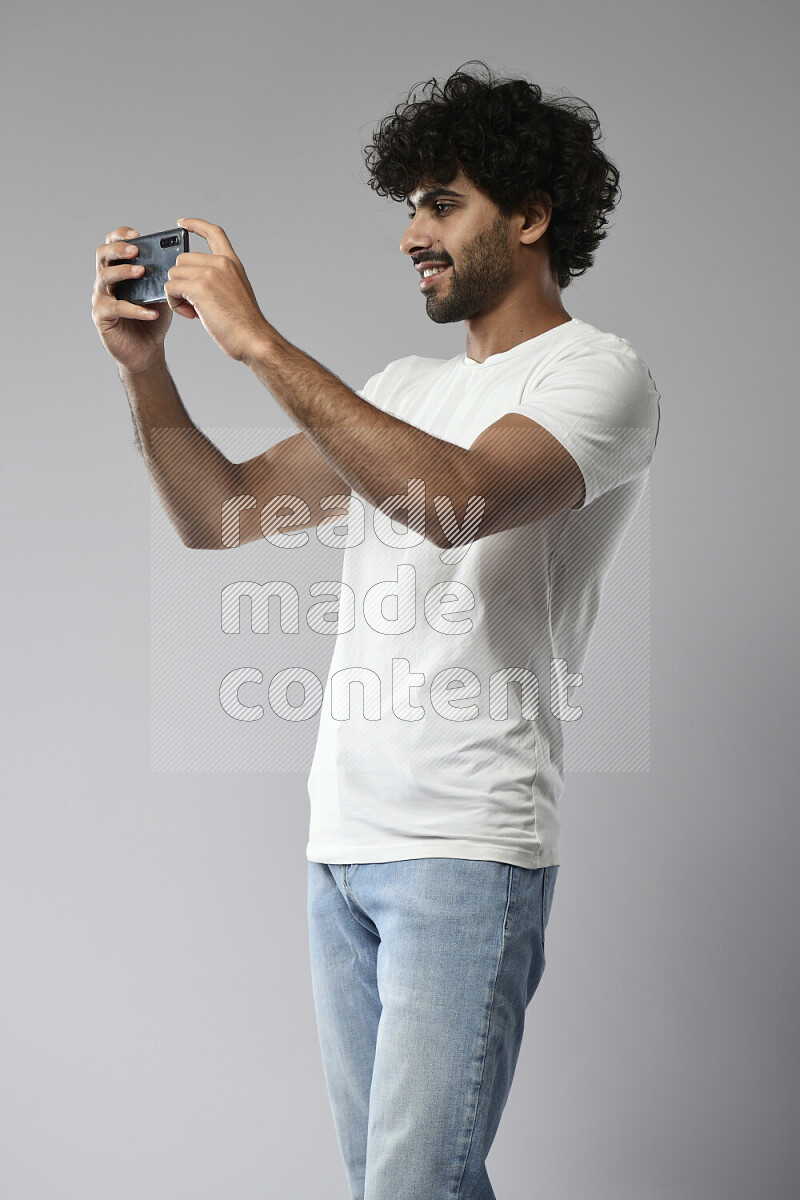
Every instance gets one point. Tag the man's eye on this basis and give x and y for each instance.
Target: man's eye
(438, 205)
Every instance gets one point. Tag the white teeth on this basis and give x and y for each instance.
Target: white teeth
(432, 271)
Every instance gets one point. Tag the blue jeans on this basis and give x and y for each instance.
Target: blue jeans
(421, 973)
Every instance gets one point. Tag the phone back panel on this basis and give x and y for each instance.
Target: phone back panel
(157, 253)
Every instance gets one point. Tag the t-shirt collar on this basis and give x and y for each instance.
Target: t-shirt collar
(520, 347)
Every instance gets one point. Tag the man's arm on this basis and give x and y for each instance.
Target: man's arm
(516, 467)
(194, 480)
(188, 472)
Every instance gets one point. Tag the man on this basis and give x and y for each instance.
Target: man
(434, 833)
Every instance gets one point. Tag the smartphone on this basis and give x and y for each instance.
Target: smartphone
(157, 253)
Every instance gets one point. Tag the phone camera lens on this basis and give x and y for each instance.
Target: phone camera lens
(169, 241)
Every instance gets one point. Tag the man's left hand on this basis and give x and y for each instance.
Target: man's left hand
(215, 288)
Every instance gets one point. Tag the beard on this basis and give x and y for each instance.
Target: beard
(481, 278)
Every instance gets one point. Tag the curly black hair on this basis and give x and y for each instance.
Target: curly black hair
(514, 145)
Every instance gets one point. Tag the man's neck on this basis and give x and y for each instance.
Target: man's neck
(485, 338)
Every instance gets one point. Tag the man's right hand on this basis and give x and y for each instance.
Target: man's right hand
(133, 334)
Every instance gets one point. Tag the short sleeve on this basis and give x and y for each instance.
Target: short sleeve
(382, 390)
(367, 392)
(602, 405)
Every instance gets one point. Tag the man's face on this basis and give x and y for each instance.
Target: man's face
(459, 227)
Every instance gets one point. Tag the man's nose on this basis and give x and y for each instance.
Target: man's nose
(415, 237)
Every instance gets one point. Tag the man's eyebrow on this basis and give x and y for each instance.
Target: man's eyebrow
(433, 194)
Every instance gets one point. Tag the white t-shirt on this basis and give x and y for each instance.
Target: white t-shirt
(425, 749)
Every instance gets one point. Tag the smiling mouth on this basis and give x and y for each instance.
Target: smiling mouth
(429, 278)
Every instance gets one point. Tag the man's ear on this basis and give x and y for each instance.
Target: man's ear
(536, 210)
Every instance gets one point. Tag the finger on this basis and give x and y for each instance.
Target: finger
(115, 251)
(108, 309)
(121, 232)
(215, 236)
(173, 291)
(193, 258)
(178, 303)
(110, 275)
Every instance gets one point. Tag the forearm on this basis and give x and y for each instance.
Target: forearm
(191, 476)
(373, 451)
